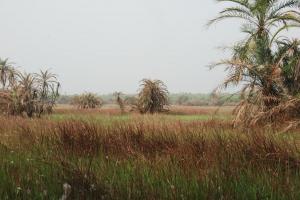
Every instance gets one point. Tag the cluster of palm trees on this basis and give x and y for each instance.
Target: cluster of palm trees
(152, 98)
(266, 62)
(26, 94)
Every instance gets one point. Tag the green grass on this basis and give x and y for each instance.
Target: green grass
(199, 117)
(145, 157)
(93, 117)
(109, 118)
(133, 179)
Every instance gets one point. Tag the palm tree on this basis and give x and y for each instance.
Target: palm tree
(48, 87)
(267, 65)
(261, 16)
(263, 21)
(288, 59)
(46, 81)
(153, 96)
(7, 73)
(27, 93)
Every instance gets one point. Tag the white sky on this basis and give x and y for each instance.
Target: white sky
(104, 46)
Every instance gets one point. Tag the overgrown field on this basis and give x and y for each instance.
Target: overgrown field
(181, 155)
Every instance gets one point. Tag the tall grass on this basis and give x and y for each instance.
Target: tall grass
(147, 157)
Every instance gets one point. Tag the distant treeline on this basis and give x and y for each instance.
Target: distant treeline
(186, 99)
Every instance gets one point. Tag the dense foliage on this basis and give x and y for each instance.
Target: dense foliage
(266, 62)
(26, 94)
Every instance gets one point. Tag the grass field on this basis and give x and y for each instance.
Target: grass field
(189, 153)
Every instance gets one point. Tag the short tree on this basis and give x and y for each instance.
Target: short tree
(153, 96)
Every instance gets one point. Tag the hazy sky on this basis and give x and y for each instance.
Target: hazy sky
(104, 46)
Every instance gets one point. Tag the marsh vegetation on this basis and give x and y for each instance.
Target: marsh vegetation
(146, 147)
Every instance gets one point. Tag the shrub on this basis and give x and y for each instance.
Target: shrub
(87, 101)
(153, 96)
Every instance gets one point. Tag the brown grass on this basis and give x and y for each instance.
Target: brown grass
(196, 148)
(174, 109)
(190, 142)
(201, 110)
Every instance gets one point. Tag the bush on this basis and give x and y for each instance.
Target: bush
(87, 101)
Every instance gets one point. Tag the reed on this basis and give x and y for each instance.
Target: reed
(146, 157)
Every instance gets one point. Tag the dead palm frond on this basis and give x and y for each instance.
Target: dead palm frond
(30, 94)
(267, 65)
(153, 96)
